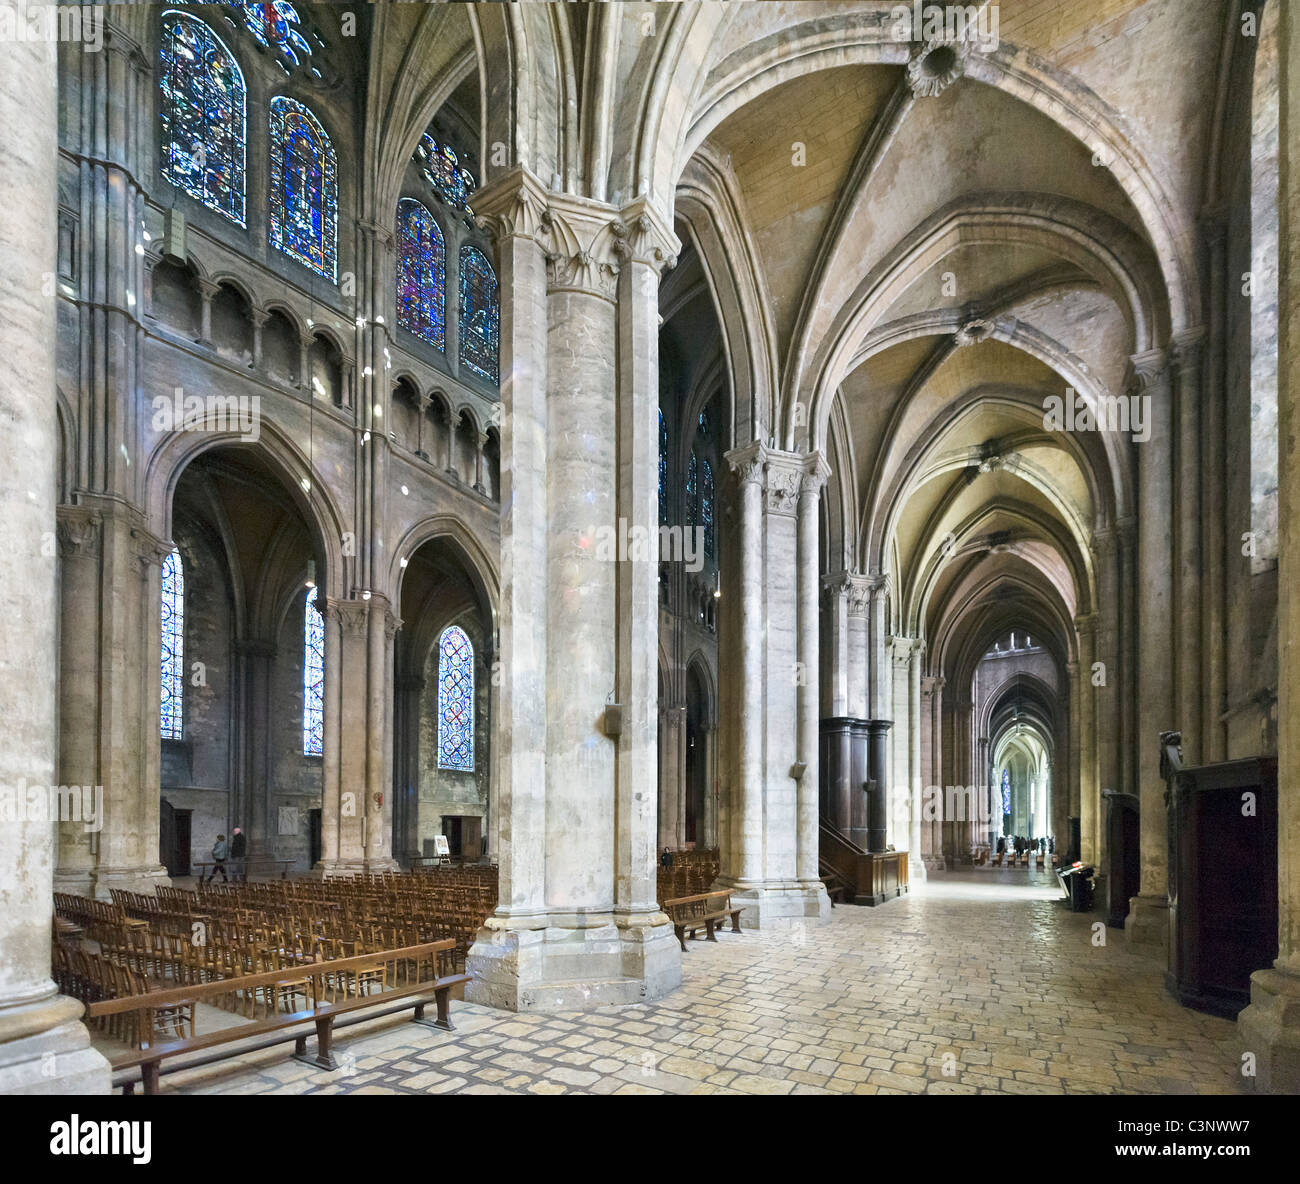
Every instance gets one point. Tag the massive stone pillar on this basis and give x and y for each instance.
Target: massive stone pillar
(1269, 1029)
(770, 862)
(344, 785)
(580, 569)
(932, 817)
(1148, 920)
(43, 1047)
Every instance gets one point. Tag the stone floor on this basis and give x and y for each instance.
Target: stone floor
(980, 982)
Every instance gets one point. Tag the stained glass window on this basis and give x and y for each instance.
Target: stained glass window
(173, 645)
(480, 315)
(278, 27)
(421, 273)
(203, 104)
(693, 491)
(1006, 792)
(703, 426)
(441, 168)
(304, 187)
(663, 469)
(455, 701)
(313, 679)
(706, 505)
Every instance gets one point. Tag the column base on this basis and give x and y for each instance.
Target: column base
(778, 904)
(45, 1049)
(132, 879)
(567, 962)
(77, 881)
(1147, 923)
(1269, 1028)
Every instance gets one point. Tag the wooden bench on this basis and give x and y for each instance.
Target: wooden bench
(416, 995)
(704, 910)
(997, 859)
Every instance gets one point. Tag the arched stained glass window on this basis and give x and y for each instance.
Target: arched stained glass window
(480, 314)
(203, 114)
(693, 491)
(313, 679)
(304, 188)
(173, 646)
(421, 273)
(1006, 791)
(455, 701)
(663, 469)
(706, 505)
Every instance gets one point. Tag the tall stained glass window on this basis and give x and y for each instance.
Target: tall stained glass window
(203, 114)
(706, 505)
(1006, 791)
(304, 188)
(693, 491)
(313, 679)
(455, 701)
(173, 646)
(421, 273)
(480, 314)
(663, 469)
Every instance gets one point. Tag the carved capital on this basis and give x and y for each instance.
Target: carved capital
(392, 623)
(512, 206)
(783, 490)
(586, 244)
(79, 532)
(643, 236)
(149, 549)
(748, 464)
(1149, 369)
(350, 615)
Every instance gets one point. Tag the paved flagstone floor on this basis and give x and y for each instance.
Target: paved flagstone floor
(980, 982)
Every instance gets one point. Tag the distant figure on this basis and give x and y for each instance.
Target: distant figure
(239, 849)
(219, 853)
(1051, 844)
(1002, 845)
(666, 859)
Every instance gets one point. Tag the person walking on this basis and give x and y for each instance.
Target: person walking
(219, 853)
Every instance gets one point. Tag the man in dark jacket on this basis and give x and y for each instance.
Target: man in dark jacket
(238, 849)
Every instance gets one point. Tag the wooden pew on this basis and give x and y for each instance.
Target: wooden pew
(704, 910)
(416, 995)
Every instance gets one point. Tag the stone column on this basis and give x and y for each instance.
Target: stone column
(79, 560)
(251, 755)
(1270, 1027)
(745, 865)
(43, 1047)
(1107, 694)
(509, 947)
(1089, 795)
(600, 938)
(344, 783)
(1072, 789)
(1186, 352)
(809, 566)
(935, 824)
(778, 583)
(915, 862)
(1148, 919)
